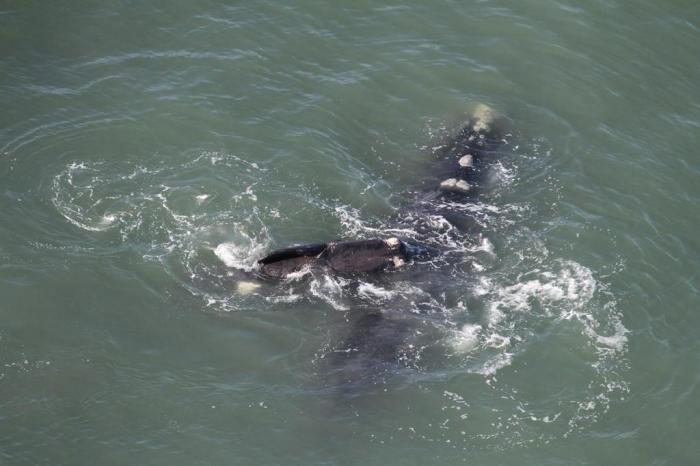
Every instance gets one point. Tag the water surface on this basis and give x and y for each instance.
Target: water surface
(149, 154)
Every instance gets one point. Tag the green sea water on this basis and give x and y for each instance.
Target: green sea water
(151, 152)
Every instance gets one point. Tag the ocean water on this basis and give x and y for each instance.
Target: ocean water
(151, 152)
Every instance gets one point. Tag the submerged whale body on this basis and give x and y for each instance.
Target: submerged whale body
(368, 354)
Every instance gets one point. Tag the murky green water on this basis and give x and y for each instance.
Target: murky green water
(150, 153)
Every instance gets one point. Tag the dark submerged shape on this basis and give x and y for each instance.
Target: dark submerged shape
(369, 353)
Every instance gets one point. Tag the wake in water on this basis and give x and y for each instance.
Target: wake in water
(465, 318)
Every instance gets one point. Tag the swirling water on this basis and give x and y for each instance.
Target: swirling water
(150, 153)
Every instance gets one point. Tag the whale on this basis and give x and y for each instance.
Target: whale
(376, 341)
(460, 163)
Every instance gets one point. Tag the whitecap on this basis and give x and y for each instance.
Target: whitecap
(464, 340)
(370, 291)
(239, 256)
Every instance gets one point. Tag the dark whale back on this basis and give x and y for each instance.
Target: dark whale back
(337, 256)
(306, 250)
(362, 256)
(283, 262)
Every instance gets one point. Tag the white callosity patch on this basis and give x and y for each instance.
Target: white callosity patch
(466, 161)
(392, 242)
(455, 185)
(484, 118)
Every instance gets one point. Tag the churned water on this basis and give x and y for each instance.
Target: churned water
(151, 152)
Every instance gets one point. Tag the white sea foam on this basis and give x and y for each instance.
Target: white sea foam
(466, 339)
(493, 365)
(298, 275)
(330, 289)
(290, 297)
(572, 283)
(242, 256)
(617, 341)
(247, 287)
(353, 225)
(561, 293)
(371, 291)
(484, 246)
